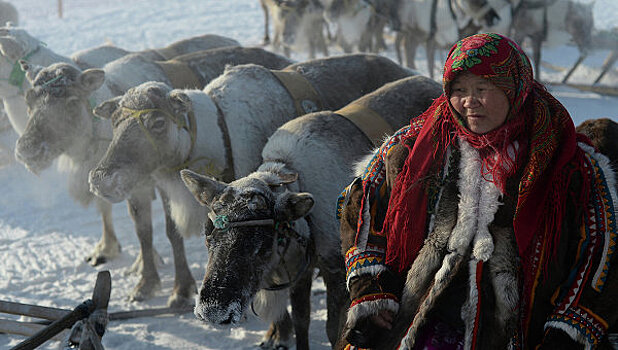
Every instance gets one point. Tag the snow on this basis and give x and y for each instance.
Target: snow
(44, 235)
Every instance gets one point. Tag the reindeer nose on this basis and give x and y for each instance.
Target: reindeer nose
(108, 185)
(25, 150)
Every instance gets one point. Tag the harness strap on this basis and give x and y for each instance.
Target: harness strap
(306, 99)
(228, 173)
(179, 73)
(17, 75)
(167, 53)
(368, 121)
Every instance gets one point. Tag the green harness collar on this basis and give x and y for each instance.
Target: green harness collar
(17, 76)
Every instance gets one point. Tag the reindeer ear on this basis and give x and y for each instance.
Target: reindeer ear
(31, 70)
(30, 97)
(292, 206)
(181, 103)
(203, 188)
(288, 178)
(107, 108)
(91, 79)
(11, 49)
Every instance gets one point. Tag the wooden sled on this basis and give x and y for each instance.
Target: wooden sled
(61, 324)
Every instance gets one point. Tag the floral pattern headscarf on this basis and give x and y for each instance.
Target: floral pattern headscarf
(541, 126)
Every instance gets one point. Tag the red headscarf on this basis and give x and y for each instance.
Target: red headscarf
(536, 120)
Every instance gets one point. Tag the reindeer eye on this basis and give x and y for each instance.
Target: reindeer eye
(158, 124)
(257, 202)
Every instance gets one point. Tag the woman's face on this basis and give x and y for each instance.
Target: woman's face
(482, 105)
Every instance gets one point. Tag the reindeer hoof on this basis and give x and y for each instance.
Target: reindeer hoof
(269, 346)
(96, 260)
(176, 301)
(183, 297)
(145, 289)
(103, 252)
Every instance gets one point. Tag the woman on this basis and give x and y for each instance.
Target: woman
(487, 223)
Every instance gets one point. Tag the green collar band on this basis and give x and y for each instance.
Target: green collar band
(17, 76)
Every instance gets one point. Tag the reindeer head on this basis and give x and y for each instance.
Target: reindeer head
(15, 44)
(291, 14)
(59, 112)
(245, 247)
(150, 125)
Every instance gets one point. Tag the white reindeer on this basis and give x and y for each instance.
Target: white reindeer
(428, 22)
(440, 23)
(8, 14)
(16, 44)
(298, 26)
(62, 125)
(554, 22)
(474, 16)
(315, 154)
(359, 24)
(234, 116)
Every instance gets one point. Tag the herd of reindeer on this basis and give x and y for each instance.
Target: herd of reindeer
(359, 25)
(242, 145)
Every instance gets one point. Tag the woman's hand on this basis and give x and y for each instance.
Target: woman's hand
(367, 332)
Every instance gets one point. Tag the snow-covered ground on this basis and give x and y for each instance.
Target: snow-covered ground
(44, 235)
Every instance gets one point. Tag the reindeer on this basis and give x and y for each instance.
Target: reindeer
(440, 23)
(425, 21)
(277, 224)
(553, 22)
(266, 5)
(299, 26)
(603, 132)
(234, 116)
(16, 44)
(8, 14)
(474, 16)
(62, 125)
(360, 23)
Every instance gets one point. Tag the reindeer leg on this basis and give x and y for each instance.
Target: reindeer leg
(140, 210)
(108, 247)
(337, 298)
(184, 283)
(266, 39)
(536, 52)
(409, 46)
(399, 38)
(322, 42)
(279, 334)
(300, 299)
(380, 43)
(430, 47)
(364, 44)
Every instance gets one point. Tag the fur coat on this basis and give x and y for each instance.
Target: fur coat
(471, 276)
